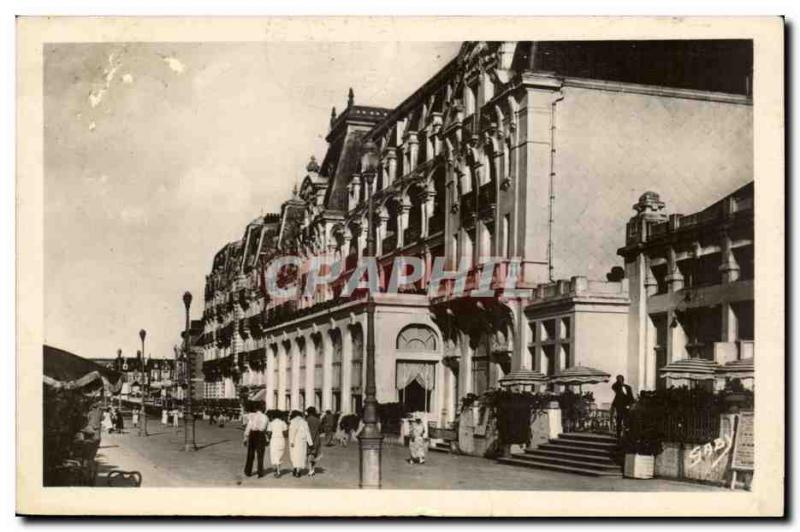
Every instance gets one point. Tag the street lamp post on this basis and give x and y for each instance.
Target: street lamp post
(370, 440)
(145, 386)
(118, 367)
(188, 443)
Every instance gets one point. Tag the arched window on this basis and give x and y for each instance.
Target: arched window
(416, 338)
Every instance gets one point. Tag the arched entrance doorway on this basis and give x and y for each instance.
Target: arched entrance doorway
(415, 371)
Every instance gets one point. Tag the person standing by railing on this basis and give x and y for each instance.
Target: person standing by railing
(623, 399)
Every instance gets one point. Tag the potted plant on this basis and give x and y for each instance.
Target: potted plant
(640, 445)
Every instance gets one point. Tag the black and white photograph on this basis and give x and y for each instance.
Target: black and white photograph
(452, 266)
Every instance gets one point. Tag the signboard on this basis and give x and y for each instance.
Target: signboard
(744, 447)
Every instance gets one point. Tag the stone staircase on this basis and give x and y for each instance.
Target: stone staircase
(580, 453)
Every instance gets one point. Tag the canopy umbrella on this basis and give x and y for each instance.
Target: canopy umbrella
(259, 394)
(522, 377)
(579, 375)
(692, 369)
(63, 369)
(738, 369)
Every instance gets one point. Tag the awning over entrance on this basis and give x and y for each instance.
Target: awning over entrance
(694, 369)
(259, 394)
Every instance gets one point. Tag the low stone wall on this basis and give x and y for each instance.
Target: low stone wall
(705, 462)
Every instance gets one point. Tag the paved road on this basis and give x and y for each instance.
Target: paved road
(220, 459)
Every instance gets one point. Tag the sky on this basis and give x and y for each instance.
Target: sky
(158, 154)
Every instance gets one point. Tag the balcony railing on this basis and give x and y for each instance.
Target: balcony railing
(487, 197)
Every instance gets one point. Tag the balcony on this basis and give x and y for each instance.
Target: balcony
(487, 198)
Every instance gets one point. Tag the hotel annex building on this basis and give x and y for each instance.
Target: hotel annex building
(531, 151)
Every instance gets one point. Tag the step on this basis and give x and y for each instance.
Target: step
(561, 446)
(555, 467)
(601, 446)
(571, 455)
(569, 462)
(589, 436)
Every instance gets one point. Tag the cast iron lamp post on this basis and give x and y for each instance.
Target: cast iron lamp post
(145, 387)
(370, 439)
(188, 443)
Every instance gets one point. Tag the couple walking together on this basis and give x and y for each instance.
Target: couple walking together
(303, 438)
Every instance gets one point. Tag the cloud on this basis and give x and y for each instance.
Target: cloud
(127, 78)
(174, 64)
(92, 126)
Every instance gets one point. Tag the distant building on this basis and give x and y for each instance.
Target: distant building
(526, 151)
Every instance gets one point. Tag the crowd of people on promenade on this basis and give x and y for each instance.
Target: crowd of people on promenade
(112, 421)
(306, 433)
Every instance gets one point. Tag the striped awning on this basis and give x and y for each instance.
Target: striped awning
(695, 369)
(523, 376)
(259, 394)
(580, 375)
(738, 369)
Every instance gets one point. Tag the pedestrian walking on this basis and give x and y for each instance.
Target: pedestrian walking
(328, 427)
(164, 418)
(135, 418)
(277, 430)
(119, 423)
(255, 439)
(315, 453)
(623, 399)
(299, 442)
(175, 419)
(107, 425)
(418, 442)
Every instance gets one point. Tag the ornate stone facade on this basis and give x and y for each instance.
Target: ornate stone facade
(474, 164)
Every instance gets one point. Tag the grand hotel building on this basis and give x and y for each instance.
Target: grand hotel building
(533, 151)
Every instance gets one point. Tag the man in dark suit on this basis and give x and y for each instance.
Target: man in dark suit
(623, 399)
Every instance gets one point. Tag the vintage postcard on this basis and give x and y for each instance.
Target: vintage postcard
(476, 266)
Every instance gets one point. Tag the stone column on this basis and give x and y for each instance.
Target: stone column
(270, 370)
(391, 157)
(413, 151)
(327, 371)
(282, 366)
(728, 267)
(311, 355)
(347, 365)
(402, 222)
(521, 357)
(295, 384)
(380, 231)
(440, 400)
(730, 324)
(465, 366)
(676, 338)
(651, 376)
(674, 277)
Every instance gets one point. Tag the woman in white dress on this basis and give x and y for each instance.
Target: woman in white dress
(277, 441)
(107, 424)
(299, 441)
